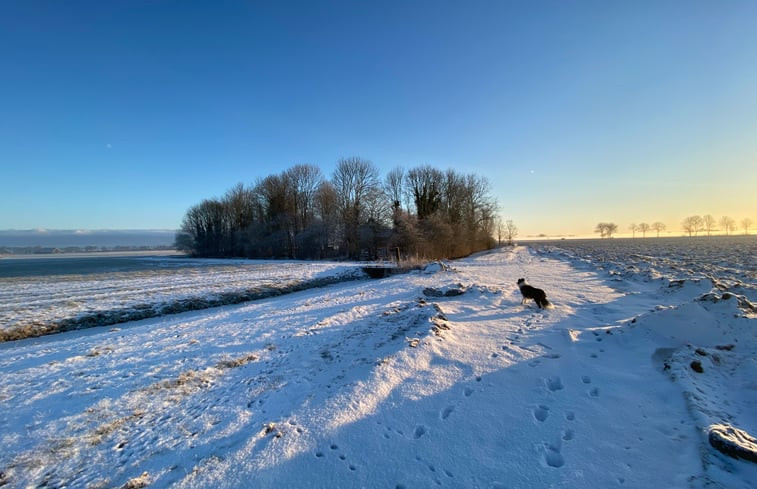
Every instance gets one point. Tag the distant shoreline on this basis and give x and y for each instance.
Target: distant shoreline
(94, 254)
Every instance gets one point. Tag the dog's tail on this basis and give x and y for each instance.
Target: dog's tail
(543, 303)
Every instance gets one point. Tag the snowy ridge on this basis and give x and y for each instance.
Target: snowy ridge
(422, 380)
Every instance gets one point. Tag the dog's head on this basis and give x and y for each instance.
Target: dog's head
(521, 281)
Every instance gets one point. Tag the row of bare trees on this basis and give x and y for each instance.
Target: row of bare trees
(357, 214)
(644, 228)
(693, 225)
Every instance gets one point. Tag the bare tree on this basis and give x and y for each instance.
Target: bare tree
(658, 226)
(708, 223)
(327, 210)
(500, 228)
(453, 192)
(394, 190)
(511, 231)
(479, 211)
(239, 203)
(692, 225)
(425, 185)
(728, 224)
(276, 229)
(375, 226)
(304, 180)
(746, 223)
(633, 227)
(354, 179)
(394, 187)
(606, 229)
(644, 227)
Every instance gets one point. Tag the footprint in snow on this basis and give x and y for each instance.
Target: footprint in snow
(541, 412)
(447, 411)
(554, 384)
(594, 392)
(552, 455)
(419, 432)
(554, 458)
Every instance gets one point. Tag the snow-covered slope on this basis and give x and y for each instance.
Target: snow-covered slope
(378, 384)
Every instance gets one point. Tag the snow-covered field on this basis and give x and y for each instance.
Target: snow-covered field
(35, 305)
(436, 379)
(729, 262)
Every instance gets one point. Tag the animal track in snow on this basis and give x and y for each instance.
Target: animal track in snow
(419, 432)
(552, 455)
(586, 379)
(594, 392)
(446, 412)
(554, 384)
(541, 412)
(468, 391)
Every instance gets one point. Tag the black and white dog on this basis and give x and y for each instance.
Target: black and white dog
(528, 292)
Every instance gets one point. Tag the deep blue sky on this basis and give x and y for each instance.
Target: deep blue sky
(121, 115)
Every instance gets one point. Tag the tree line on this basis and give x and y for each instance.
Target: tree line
(692, 225)
(355, 214)
(644, 228)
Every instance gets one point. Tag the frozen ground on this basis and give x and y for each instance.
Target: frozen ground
(40, 304)
(730, 262)
(376, 384)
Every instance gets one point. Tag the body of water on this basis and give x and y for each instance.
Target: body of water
(105, 263)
